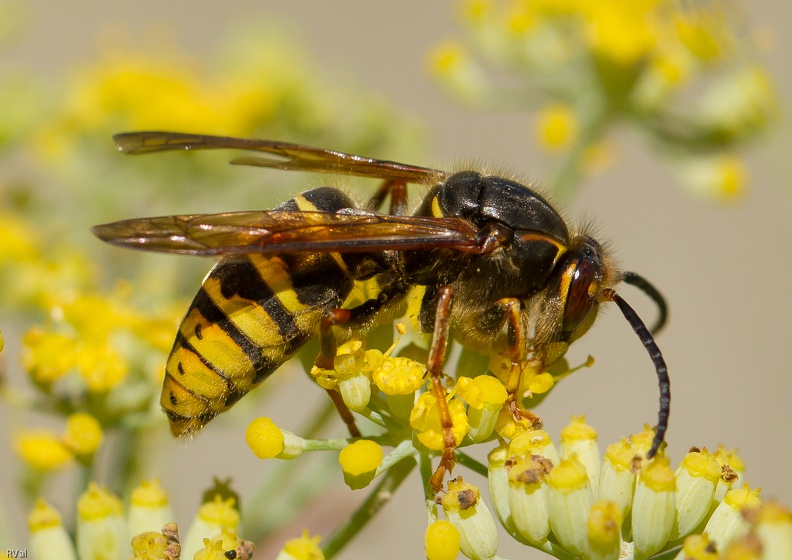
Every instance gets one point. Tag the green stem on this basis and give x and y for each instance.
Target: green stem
(471, 463)
(379, 496)
(272, 489)
(426, 470)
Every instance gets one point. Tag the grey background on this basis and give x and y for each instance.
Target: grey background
(726, 271)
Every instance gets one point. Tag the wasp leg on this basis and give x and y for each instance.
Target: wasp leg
(327, 352)
(434, 368)
(397, 189)
(355, 317)
(512, 309)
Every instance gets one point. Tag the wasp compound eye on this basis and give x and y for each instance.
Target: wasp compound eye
(579, 299)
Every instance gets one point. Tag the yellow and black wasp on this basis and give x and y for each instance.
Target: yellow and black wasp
(494, 264)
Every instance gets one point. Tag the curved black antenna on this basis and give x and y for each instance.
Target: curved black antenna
(657, 359)
(654, 294)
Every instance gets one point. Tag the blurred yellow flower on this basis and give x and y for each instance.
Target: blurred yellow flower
(42, 450)
(83, 434)
(556, 127)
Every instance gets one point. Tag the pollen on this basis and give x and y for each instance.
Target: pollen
(425, 420)
(399, 376)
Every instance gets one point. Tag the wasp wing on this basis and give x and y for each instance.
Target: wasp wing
(283, 155)
(277, 231)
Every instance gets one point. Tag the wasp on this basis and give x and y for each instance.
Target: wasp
(492, 262)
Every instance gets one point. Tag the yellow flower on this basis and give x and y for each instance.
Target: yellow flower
(621, 30)
(304, 547)
(556, 127)
(268, 441)
(471, 517)
(703, 32)
(485, 396)
(721, 177)
(48, 537)
(48, 356)
(18, 241)
(425, 420)
(528, 497)
(579, 440)
(83, 434)
(455, 68)
(653, 508)
(360, 461)
(212, 518)
(149, 508)
(442, 541)
(101, 527)
(569, 501)
(604, 530)
(101, 366)
(42, 450)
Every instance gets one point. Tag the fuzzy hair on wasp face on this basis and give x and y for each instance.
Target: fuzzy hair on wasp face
(496, 266)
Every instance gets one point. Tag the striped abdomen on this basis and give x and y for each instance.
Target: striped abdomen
(251, 314)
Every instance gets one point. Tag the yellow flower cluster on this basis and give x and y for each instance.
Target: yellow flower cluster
(391, 391)
(96, 340)
(589, 65)
(146, 532)
(46, 451)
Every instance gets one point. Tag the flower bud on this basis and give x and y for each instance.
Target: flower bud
(774, 529)
(83, 435)
(485, 396)
(697, 477)
(653, 508)
(528, 497)
(42, 450)
(727, 522)
(463, 507)
(211, 519)
(580, 439)
(48, 538)
(442, 541)
(569, 502)
(535, 442)
(617, 477)
(498, 485)
(604, 530)
(267, 441)
(304, 547)
(698, 547)
(360, 461)
(149, 509)
(101, 529)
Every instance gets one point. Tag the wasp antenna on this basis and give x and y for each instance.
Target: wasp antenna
(657, 359)
(654, 294)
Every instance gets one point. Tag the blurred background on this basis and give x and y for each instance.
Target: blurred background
(365, 77)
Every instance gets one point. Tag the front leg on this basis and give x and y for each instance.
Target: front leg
(437, 351)
(516, 350)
